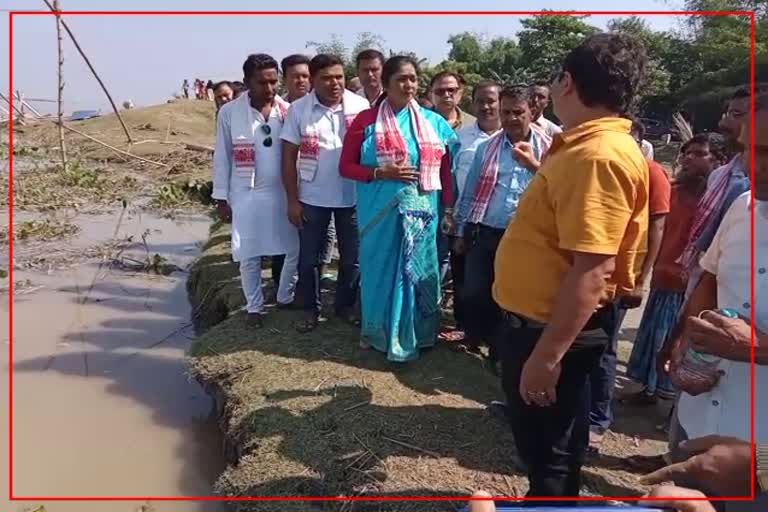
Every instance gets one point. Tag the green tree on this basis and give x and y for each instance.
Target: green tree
(336, 46)
(368, 41)
(546, 39)
(502, 56)
(466, 48)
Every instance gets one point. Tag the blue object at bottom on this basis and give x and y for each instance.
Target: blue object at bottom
(502, 508)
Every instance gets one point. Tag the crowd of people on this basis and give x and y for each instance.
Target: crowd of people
(549, 232)
(203, 90)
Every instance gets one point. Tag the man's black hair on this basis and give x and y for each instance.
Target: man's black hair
(446, 74)
(258, 62)
(607, 69)
(238, 88)
(370, 54)
(484, 84)
(637, 127)
(540, 83)
(322, 61)
(715, 142)
(740, 93)
(517, 94)
(293, 60)
(222, 84)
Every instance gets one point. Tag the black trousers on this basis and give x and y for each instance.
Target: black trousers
(482, 314)
(458, 276)
(552, 441)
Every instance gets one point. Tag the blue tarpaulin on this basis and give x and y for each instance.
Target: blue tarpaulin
(84, 114)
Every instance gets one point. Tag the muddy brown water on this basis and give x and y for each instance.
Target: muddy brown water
(102, 403)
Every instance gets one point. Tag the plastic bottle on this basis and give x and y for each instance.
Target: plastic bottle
(700, 367)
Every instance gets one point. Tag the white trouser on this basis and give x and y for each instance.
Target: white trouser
(250, 276)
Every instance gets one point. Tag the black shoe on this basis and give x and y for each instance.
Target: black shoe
(499, 410)
(288, 305)
(255, 320)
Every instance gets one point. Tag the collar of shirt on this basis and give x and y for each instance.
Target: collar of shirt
(361, 93)
(584, 130)
(461, 118)
(317, 104)
(509, 144)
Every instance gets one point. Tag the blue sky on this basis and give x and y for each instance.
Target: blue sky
(145, 58)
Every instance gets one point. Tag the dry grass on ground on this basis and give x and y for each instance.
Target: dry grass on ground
(99, 176)
(315, 415)
(44, 230)
(214, 280)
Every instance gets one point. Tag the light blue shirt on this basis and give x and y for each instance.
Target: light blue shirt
(512, 180)
(470, 137)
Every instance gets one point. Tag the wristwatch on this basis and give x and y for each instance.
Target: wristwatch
(761, 466)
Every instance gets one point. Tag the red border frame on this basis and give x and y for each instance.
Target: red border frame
(751, 15)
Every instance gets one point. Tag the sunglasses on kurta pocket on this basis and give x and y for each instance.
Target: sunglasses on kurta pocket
(267, 131)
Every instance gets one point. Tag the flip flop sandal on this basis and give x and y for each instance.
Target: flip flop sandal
(307, 325)
(451, 336)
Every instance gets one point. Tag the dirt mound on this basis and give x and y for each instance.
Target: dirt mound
(313, 414)
(155, 130)
(171, 138)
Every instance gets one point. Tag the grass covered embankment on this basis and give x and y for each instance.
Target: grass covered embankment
(313, 414)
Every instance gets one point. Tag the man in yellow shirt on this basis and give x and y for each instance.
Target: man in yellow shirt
(577, 242)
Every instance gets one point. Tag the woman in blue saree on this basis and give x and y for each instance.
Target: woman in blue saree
(398, 153)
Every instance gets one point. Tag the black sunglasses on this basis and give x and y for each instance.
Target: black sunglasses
(267, 131)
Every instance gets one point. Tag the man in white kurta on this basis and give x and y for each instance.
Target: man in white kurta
(247, 176)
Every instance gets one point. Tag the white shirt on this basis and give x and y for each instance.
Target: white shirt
(548, 126)
(361, 92)
(470, 137)
(647, 149)
(255, 192)
(328, 189)
(725, 410)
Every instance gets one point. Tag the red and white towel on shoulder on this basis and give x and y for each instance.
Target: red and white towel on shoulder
(392, 148)
(309, 146)
(489, 169)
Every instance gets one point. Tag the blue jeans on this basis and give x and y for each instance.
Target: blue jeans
(602, 379)
(312, 240)
(326, 256)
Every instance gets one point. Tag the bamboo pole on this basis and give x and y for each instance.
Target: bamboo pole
(25, 103)
(95, 74)
(60, 99)
(116, 150)
(21, 104)
(12, 105)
